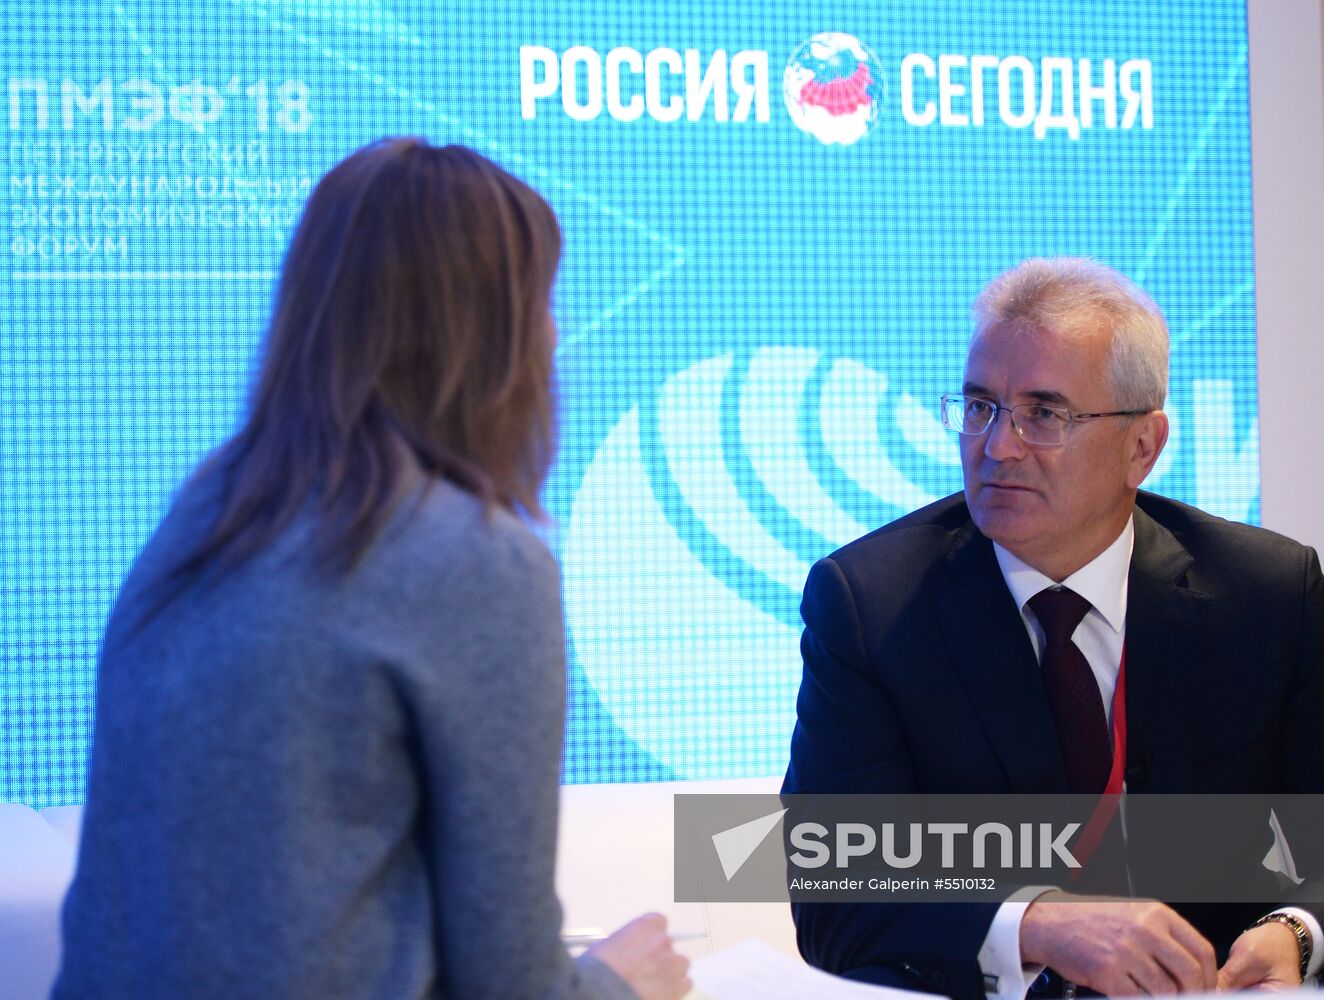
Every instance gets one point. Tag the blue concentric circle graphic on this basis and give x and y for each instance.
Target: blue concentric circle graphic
(692, 648)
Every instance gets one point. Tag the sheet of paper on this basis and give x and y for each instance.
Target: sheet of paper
(754, 970)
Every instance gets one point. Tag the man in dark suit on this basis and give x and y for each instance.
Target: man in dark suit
(934, 662)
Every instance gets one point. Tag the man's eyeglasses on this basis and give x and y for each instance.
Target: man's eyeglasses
(1036, 423)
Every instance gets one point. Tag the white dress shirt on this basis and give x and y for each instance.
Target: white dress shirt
(1101, 637)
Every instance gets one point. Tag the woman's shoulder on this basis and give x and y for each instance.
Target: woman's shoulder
(459, 530)
(459, 572)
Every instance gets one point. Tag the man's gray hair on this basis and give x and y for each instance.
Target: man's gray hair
(1068, 295)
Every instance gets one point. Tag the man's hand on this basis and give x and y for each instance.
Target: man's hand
(1117, 947)
(1263, 958)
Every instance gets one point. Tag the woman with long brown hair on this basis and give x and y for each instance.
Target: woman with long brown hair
(331, 692)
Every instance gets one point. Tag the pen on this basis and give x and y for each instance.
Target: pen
(592, 935)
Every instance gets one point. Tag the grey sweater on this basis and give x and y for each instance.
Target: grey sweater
(312, 786)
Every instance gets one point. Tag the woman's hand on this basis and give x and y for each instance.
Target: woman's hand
(641, 953)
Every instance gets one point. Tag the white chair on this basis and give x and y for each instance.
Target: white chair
(37, 852)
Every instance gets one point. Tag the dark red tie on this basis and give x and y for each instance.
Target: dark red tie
(1073, 693)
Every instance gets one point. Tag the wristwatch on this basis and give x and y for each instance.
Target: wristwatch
(1298, 927)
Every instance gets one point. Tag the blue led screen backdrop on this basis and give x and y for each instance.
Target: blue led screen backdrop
(776, 216)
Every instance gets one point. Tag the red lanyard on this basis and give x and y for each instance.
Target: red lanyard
(1117, 775)
(1107, 805)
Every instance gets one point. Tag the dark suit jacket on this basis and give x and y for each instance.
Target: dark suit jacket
(919, 677)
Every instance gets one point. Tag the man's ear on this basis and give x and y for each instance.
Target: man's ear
(1148, 435)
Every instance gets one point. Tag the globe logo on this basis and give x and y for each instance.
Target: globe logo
(834, 88)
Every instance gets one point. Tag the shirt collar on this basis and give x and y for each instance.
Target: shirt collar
(1101, 581)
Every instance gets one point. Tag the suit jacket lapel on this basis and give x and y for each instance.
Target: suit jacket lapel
(1166, 630)
(986, 637)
